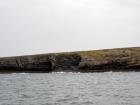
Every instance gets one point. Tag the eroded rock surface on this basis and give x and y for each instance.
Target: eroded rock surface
(123, 59)
(41, 63)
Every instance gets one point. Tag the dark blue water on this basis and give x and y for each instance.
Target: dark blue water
(70, 88)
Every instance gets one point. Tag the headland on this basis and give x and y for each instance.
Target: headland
(118, 59)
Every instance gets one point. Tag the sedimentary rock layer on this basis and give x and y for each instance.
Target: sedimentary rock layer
(120, 59)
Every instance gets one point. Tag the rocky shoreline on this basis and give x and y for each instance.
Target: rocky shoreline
(120, 59)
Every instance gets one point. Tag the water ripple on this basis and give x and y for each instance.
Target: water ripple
(70, 88)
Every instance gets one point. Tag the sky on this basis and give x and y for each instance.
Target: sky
(45, 26)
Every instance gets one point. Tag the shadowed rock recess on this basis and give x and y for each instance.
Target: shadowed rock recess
(120, 59)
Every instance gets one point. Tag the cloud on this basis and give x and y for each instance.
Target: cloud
(129, 3)
(38, 26)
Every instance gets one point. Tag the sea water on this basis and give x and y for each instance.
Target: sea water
(109, 88)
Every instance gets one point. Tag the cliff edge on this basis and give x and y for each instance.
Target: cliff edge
(119, 59)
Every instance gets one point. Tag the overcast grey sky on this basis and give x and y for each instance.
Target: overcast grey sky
(42, 26)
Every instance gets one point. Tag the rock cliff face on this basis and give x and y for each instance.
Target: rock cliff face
(122, 59)
(67, 62)
(40, 63)
(127, 59)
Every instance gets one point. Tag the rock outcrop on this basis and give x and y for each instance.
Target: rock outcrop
(40, 63)
(122, 59)
(127, 59)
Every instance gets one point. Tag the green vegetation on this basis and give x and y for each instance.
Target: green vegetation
(97, 54)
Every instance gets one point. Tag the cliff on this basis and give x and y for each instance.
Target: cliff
(120, 59)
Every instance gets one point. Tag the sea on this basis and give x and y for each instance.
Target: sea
(67, 88)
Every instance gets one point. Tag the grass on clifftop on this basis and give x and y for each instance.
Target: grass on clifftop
(98, 54)
(118, 52)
